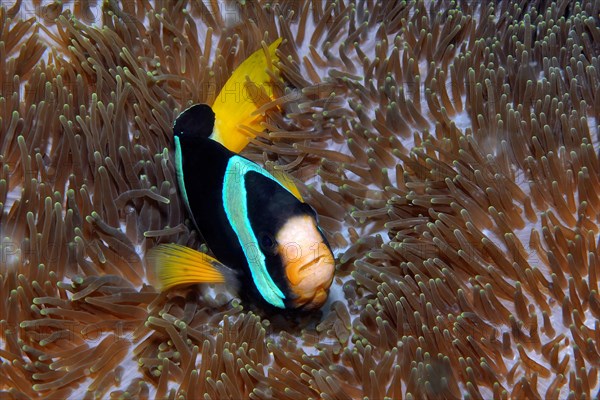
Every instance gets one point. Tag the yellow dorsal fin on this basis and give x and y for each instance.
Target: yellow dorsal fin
(287, 181)
(176, 265)
(237, 101)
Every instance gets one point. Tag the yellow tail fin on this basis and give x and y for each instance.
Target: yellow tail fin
(176, 265)
(236, 103)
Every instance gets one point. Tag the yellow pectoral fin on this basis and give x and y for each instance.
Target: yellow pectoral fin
(176, 265)
(287, 181)
(248, 88)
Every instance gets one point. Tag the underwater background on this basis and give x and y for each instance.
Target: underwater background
(450, 149)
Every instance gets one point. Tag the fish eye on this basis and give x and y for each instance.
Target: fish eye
(266, 242)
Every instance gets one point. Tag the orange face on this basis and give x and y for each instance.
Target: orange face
(307, 260)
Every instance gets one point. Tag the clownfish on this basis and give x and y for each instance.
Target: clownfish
(255, 222)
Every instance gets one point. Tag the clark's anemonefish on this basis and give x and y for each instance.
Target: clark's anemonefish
(253, 221)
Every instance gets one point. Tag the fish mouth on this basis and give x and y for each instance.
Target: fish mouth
(307, 261)
(310, 279)
(306, 267)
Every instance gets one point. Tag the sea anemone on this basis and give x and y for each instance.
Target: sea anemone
(449, 148)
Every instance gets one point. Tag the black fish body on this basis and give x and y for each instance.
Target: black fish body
(241, 211)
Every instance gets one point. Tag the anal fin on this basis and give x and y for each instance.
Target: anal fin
(176, 265)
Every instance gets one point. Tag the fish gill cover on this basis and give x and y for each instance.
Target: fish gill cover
(450, 149)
